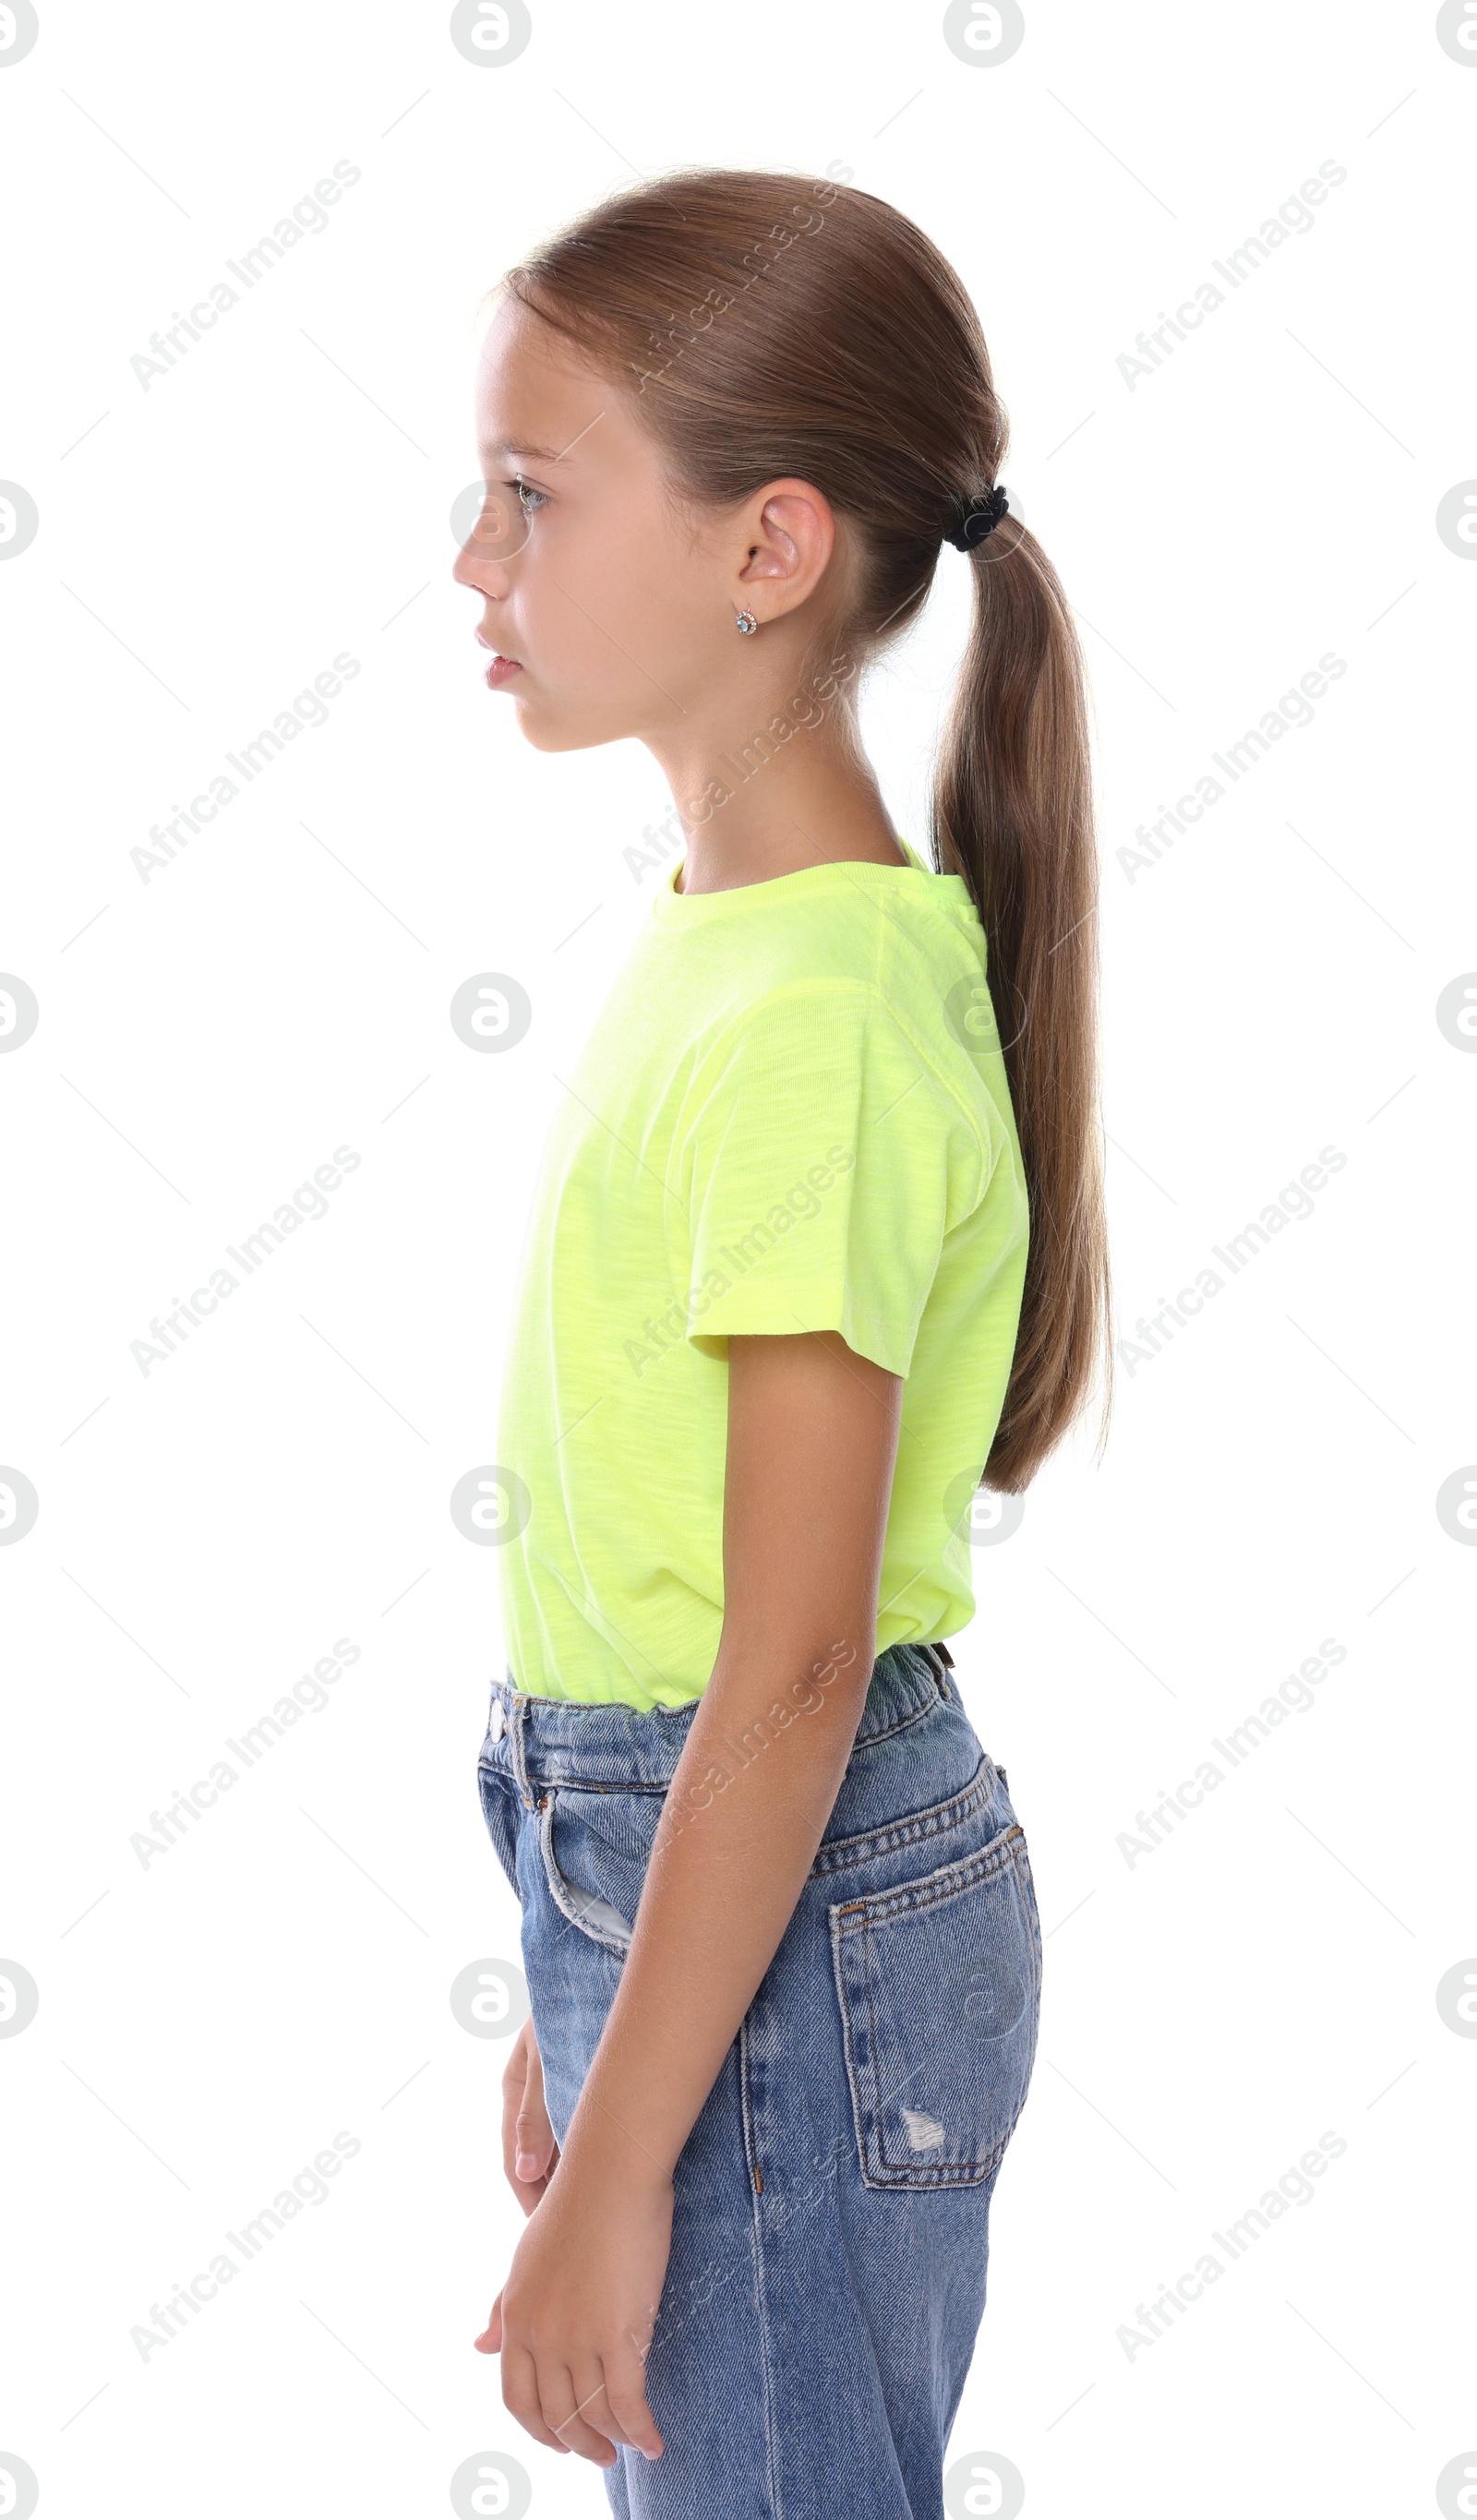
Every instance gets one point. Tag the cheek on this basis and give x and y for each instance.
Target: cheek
(567, 626)
(612, 627)
(593, 671)
(635, 595)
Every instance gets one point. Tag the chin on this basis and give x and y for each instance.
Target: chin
(549, 734)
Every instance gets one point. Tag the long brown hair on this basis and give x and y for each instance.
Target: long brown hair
(772, 326)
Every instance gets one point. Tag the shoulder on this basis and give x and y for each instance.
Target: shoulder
(898, 968)
(828, 1044)
(840, 973)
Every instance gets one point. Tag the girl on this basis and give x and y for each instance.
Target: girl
(818, 1246)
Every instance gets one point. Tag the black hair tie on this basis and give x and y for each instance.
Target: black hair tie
(979, 518)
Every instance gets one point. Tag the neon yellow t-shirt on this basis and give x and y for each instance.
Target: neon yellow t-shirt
(792, 1114)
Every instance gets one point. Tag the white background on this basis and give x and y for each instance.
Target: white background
(208, 1036)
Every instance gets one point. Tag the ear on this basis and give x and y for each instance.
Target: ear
(791, 534)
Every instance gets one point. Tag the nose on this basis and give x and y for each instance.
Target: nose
(497, 534)
(469, 568)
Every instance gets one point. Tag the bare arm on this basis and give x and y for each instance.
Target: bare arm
(812, 1440)
(813, 1432)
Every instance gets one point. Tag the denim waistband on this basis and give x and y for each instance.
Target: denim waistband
(580, 1742)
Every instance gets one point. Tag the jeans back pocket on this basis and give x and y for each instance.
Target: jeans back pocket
(939, 1981)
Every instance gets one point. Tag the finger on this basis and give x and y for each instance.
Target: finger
(592, 2401)
(626, 2390)
(530, 2191)
(626, 2397)
(515, 2080)
(514, 2084)
(559, 2402)
(535, 2147)
(520, 2396)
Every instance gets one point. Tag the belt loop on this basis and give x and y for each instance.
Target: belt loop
(518, 1710)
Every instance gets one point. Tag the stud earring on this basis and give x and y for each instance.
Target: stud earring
(747, 623)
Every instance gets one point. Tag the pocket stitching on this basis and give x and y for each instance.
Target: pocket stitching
(947, 1881)
(935, 1820)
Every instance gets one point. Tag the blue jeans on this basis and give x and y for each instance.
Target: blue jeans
(829, 2235)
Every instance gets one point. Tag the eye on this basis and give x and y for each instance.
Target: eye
(530, 500)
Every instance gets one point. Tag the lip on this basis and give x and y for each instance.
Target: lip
(502, 668)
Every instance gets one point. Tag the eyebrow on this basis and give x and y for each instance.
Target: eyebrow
(510, 446)
(539, 454)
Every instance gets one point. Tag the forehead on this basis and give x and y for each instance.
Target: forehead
(535, 396)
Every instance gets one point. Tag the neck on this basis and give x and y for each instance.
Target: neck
(767, 806)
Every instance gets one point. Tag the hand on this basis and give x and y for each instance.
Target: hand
(573, 2322)
(531, 2155)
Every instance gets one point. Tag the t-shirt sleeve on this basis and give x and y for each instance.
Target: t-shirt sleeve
(817, 1174)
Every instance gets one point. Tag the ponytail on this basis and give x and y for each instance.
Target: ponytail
(1012, 814)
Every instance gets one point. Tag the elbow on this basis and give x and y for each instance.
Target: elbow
(843, 1670)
